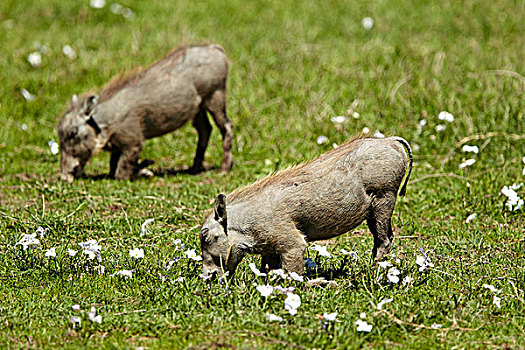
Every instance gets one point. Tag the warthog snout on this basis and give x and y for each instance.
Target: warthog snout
(70, 168)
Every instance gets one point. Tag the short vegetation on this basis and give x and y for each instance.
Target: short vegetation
(116, 264)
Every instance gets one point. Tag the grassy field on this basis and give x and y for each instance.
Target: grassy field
(293, 66)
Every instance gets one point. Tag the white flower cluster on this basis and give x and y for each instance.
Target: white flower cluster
(31, 240)
(190, 254)
(495, 300)
(91, 248)
(92, 315)
(321, 250)
(514, 202)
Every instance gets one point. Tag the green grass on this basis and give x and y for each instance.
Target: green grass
(294, 65)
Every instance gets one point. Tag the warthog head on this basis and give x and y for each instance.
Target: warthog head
(77, 132)
(222, 248)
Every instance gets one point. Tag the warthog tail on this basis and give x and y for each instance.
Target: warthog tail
(405, 143)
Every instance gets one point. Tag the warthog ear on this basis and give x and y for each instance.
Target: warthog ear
(220, 210)
(89, 104)
(74, 100)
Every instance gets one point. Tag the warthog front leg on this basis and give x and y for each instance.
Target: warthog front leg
(293, 249)
(216, 104)
(203, 127)
(127, 163)
(113, 163)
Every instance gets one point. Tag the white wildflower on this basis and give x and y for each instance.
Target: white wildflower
(384, 264)
(378, 135)
(339, 119)
(51, 253)
(190, 254)
(53, 146)
(69, 52)
(265, 290)
(272, 318)
(470, 218)
(367, 23)
(334, 145)
(497, 301)
(473, 149)
(124, 273)
(383, 302)
(362, 315)
(136, 253)
(27, 95)
(71, 252)
(330, 317)
(279, 273)
(321, 250)
(90, 245)
(100, 269)
(322, 139)
(407, 280)
(179, 279)
(284, 290)
(363, 326)
(514, 202)
(116, 8)
(295, 276)
(446, 116)
(144, 227)
(420, 126)
(41, 48)
(91, 254)
(127, 13)
(436, 326)
(393, 275)
(423, 263)
(365, 130)
(76, 307)
(35, 59)
(170, 264)
(178, 244)
(223, 278)
(256, 271)
(205, 277)
(352, 254)
(291, 303)
(91, 248)
(93, 316)
(23, 127)
(355, 115)
(467, 163)
(75, 319)
(41, 231)
(28, 241)
(440, 127)
(491, 288)
(97, 4)
(396, 259)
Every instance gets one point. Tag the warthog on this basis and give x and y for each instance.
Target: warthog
(321, 199)
(148, 103)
